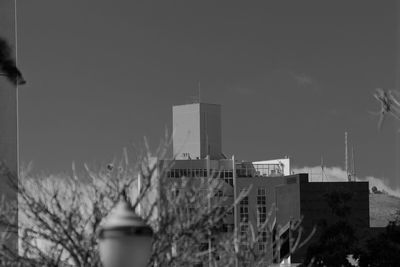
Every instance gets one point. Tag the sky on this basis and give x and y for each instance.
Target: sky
(291, 76)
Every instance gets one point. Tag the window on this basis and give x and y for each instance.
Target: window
(261, 205)
(262, 242)
(266, 170)
(244, 201)
(261, 200)
(244, 228)
(262, 217)
(227, 228)
(261, 191)
(219, 193)
(178, 173)
(244, 214)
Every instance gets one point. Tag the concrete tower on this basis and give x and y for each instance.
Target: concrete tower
(197, 131)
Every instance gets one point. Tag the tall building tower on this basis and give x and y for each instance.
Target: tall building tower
(197, 131)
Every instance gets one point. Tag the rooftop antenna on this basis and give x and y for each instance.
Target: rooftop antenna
(353, 163)
(346, 159)
(322, 168)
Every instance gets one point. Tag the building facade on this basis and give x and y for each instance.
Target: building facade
(274, 194)
(309, 202)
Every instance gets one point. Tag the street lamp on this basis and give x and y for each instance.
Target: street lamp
(125, 240)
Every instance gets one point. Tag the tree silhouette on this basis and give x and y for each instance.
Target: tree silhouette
(337, 239)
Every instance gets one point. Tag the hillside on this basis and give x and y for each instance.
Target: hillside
(381, 208)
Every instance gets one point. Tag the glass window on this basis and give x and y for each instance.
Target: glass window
(261, 205)
(245, 201)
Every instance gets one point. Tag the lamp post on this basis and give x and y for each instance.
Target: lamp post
(125, 240)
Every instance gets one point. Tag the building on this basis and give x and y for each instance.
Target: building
(197, 150)
(308, 201)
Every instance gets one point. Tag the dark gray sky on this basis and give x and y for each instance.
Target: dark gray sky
(291, 77)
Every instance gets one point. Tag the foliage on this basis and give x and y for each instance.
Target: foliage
(384, 248)
(336, 242)
(337, 239)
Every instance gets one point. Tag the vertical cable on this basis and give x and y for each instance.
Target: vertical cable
(16, 94)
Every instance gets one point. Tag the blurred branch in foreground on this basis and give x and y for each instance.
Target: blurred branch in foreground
(8, 65)
(390, 104)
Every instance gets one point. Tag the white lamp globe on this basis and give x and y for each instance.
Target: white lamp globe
(125, 240)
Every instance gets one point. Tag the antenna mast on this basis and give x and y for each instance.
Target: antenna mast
(322, 168)
(346, 159)
(353, 164)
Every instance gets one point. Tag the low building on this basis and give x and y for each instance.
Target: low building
(309, 202)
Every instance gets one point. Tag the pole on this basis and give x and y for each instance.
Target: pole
(235, 211)
(353, 163)
(209, 207)
(17, 106)
(17, 94)
(322, 168)
(346, 160)
(139, 192)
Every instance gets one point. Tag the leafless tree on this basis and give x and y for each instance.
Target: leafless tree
(59, 216)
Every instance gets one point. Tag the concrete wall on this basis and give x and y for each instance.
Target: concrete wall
(197, 131)
(288, 203)
(186, 131)
(211, 131)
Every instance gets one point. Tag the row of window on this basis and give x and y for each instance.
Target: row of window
(261, 205)
(177, 173)
(262, 217)
(244, 215)
(227, 176)
(240, 172)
